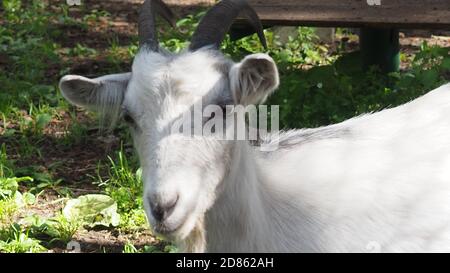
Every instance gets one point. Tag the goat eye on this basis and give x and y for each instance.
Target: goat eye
(128, 118)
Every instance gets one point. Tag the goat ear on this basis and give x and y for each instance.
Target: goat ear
(95, 94)
(103, 95)
(253, 79)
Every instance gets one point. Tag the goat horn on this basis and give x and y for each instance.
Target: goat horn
(147, 27)
(218, 20)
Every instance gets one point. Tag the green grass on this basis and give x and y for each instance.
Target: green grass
(333, 93)
(31, 107)
(124, 185)
(130, 248)
(16, 240)
(55, 230)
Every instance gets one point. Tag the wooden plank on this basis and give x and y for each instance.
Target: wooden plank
(352, 13)
(355, 13)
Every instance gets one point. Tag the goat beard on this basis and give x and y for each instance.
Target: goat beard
(195, 242)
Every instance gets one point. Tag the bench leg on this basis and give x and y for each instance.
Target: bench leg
(380, 47)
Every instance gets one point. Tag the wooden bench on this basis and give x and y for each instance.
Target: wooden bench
(379, 20)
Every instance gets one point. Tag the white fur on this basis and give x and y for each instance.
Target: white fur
(381, 178)
(387, 181)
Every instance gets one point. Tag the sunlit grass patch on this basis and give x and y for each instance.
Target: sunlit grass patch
(15, 239)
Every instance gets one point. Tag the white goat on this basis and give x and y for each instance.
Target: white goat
(381, 179)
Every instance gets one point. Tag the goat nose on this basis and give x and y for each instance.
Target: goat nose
(162, 210)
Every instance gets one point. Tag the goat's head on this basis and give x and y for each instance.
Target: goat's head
(181, 173)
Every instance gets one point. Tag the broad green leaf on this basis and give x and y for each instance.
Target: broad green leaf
(93, 210)
(24, 199)
(9, 186)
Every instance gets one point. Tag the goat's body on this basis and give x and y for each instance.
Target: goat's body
(379, 182)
